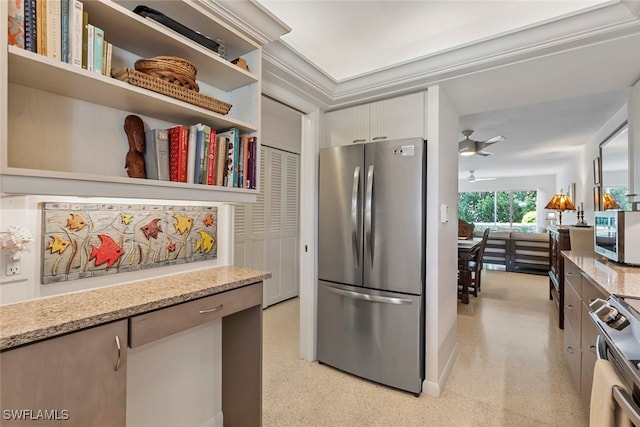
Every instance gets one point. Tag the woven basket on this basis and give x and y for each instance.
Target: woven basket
(155, 84)
(170, 68)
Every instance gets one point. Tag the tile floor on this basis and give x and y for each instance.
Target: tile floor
(510, 370)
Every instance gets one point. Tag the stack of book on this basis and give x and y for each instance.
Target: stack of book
(197, 154)
(59, 29)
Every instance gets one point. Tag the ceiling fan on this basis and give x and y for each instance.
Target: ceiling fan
(469, 147)
(472, 178)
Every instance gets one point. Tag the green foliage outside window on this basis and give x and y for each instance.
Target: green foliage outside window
(498, 209)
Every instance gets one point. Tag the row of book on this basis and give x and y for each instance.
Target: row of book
(198, 154)
(59, 29)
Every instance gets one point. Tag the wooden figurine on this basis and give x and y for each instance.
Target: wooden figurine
(134, 162)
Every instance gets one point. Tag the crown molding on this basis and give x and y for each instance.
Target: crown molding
(250, 17)
(286, 67)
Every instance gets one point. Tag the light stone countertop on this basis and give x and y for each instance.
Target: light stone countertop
(612, 278)
(34, 320)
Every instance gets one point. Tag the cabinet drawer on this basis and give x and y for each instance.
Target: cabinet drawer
(590, 292)
(572, 309)
(154, 325)
(573, 277)
(573, 354)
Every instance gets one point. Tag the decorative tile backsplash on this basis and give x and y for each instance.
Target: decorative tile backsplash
(87, 240)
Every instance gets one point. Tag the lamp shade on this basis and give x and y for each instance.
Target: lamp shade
(608, 202)
(561, 202)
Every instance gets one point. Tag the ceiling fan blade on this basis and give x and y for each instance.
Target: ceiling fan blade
(495, 139)
(483, 179)
(483, 153)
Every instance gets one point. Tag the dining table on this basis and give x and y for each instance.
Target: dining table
(467, 250)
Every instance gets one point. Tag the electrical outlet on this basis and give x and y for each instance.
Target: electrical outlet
(13, 267)
(10, 269)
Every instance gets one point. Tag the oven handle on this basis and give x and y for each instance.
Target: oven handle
(620, 395)
(627, 404)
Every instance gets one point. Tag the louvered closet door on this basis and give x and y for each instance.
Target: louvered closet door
(266, 232)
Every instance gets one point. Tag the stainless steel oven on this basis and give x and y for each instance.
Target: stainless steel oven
(618, 341)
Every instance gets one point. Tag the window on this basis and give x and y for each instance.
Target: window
(514, 210)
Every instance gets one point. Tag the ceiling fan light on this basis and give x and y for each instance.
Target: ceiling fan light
(467, 153)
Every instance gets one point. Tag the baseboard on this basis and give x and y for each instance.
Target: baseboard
(435, 388)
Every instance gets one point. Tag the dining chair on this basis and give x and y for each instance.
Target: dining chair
(476, 265)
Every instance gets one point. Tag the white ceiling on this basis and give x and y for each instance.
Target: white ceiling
(546, 105)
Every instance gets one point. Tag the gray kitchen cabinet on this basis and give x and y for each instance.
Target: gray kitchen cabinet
(580, 333)
(78, 379)
(393, 118)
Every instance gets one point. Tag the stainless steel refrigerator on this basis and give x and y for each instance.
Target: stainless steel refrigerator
(371, 267)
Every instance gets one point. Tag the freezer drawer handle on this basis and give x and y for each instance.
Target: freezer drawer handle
(368, 213)
(354, 214)
(367, 297)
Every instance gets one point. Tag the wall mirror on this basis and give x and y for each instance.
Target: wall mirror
(614, 157)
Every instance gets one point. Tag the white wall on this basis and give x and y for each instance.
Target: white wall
(277, 128)
(441, 255)
(634, 140)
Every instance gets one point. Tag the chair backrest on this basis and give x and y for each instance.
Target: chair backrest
(465, 229)
(483, 245)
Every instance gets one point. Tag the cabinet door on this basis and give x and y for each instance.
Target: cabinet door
(79, 378)
(347, 126)
(397, 118)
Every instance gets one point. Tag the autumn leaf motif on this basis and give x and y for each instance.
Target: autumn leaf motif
(208, 220)
(126, 218)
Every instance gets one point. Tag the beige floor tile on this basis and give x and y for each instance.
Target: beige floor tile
(510, 370)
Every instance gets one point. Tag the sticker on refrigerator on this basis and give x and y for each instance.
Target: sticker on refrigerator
(405, 150)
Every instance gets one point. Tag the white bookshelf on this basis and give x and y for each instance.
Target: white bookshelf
(62, 130)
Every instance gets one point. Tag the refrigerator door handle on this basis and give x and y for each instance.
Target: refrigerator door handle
(367, 211)
(354, 214)
(367, 297)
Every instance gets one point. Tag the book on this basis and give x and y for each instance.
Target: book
(253, 142)
(232, 156)
(199, 157)
(90, 45)
(245, 157)
(41, 27)
(85, 40)
(106, 69)
(221, 162)
(239, 163)
(54, 29)
(98, 47)
(30, 34)
(15, 23)
(76, 10)
(212, 151)
(156, 154)
(178, 152)
(64, 30)
(191, 154)
(204, 144)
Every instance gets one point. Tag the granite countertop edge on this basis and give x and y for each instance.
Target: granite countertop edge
(30, 321)
(609, 277)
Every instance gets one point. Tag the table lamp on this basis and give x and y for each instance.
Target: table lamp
(560, 202)
(608, 202)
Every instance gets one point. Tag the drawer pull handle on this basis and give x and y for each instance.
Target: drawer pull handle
(570, 306)
(358, 140)
(117, 365)
(211, 310)
(592, 348)
(377, 138)
(570, 350)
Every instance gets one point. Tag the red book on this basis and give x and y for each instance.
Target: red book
(211, 158)
(178, 152)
